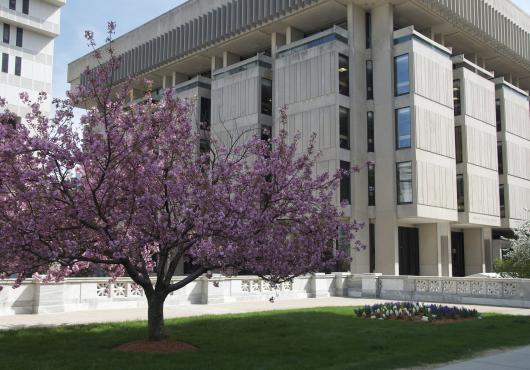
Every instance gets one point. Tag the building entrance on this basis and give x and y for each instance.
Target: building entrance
(457, 249)
(409, 251)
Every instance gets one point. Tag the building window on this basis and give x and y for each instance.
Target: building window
(401, 75)
(457, 97)
(20, 36)
(266, 133)
(458, 144)
(345, 183)
(205, 114)
(371, 184)
(371, 238)
(403, 128)
(369, 80)
(370, 131)
(404, 182)
(5, 63)
(266, 96)
(368, 30)
(498, 114)
(25, 6)
(344, 128)
(500, 157)
(344, 75)
(7, 33)
(18, 66)
(460, 193)
(502, 204)
(13, 4)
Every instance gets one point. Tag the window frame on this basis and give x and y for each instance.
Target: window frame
(369, 80)
(457, 96)
(25, 6)
(502, 201)
(498, 114)
(459, 144)
(396, 58)
(345, 182)
(399, 182)
(13, 4)
(500, 157)
(5, 63)
(18, 66)
(460, 193)
(368, 30)
(370, 132)
(397, 127)
(371, 185)
(346, 139)
(20, 37)
(341, 59)
(6, 36)
(265, 105)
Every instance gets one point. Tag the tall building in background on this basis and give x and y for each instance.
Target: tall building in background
(434, 92)
(28, 29)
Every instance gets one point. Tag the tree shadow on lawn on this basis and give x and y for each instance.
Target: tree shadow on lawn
(328, 338)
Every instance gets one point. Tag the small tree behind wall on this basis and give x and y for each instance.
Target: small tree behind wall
(132, 192)
(516, 262)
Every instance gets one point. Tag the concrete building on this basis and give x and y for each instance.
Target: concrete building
(434, 92)
(29, 28)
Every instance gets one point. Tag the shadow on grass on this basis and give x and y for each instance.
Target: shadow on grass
(327, 338)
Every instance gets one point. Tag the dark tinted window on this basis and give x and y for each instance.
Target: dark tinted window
(458, 144)
(345, 183)
(403, 128)
(7, 33)
(20, 36)
(344, 75)
(25, 6)
(500, 157)
(344, 127)
(205, 113)
(370, 131)
(457, 99)
(404, 182)
(13, 4)
(18, 66)
(502, 204)
(371, 184)
(401, 74)
(266, 96)
(369, 80)
(368, 25)
(5, 62)
(498, 113)
(460, 197)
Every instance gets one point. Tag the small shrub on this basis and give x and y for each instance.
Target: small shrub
(410, 311)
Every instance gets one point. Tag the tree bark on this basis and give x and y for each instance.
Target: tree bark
(155, 317)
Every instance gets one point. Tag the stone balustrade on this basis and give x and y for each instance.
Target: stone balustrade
(81, 294)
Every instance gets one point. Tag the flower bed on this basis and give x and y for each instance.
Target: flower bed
(409, 311)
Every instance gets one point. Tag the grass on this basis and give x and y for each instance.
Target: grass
(324, 338)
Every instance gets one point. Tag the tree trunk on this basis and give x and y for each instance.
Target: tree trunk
(155, 317)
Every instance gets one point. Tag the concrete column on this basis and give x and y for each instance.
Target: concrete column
(386, 227)
(277, 40)
(446, 251)
(164, 82)
(356, 35)
(474, 250)
(229, 58)
(434, 239)
(217, 63)
(178, 78)
(292, 34)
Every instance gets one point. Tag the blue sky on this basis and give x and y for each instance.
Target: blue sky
(80, 15)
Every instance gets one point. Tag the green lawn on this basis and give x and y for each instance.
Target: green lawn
(325, 338)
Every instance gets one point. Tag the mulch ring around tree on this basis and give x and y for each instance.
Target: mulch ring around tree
(163, 346)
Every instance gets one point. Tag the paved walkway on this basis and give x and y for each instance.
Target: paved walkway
(509, 360)
(89, 317)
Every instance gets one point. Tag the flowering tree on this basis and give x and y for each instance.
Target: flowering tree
(134, 196)
(516, 263)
